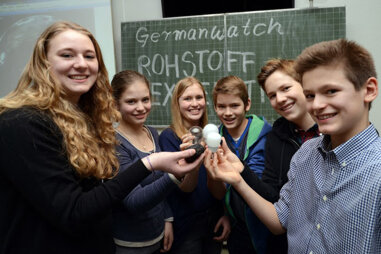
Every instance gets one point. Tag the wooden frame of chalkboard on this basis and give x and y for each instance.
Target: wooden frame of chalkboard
(210, 47)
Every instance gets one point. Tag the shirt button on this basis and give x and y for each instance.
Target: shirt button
(333, 171)
(311, 252)
(318, 226)
(343, 164)
(325, 198)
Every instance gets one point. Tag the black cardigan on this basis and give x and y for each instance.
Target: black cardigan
(45, 206)
(281, 145)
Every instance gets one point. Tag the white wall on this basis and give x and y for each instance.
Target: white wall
(363, 26)
(21, 23)
(131, 10)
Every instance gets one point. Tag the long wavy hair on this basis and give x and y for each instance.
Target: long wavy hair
(88, 135)
(177, 124)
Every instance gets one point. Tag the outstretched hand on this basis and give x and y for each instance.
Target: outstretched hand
(172, 162)
(223, 165)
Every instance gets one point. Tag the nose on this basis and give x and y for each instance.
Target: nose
(228, 111)
(80, 62)
(280, 97)
(194, 102)
(318, 103)
(139, 106)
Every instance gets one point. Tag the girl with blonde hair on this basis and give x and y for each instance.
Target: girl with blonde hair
(197, 204)
(57, 150)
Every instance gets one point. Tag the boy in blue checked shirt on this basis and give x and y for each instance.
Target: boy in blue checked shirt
(332, 201)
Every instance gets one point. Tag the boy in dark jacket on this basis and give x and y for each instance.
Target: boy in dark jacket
(278, 80)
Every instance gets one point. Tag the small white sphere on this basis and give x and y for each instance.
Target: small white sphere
(209, 128)
(213, 141)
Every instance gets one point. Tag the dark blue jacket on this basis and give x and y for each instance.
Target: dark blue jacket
(140, 217)
(253, 156)
(187, 206)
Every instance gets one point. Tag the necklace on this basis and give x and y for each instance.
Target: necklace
(143, 143)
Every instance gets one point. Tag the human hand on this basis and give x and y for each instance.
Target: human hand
(168, 237)
(223, 223)
(172, 162)
(223, 165)
(187, 141)
(230, 156)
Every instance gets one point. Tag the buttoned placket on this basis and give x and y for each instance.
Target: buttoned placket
(327, 185)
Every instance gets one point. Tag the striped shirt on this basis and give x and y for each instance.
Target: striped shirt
(331, 203)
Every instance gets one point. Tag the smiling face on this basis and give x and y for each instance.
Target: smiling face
(231, 111)
(339, 110)
(286, 97)
(192, 105)
(73, 62)
(135, 103)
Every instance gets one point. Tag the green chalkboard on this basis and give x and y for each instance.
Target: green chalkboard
(213, 46)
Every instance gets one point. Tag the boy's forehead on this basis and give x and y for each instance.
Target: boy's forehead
(322, 72)
(224, 98)
(324, 76)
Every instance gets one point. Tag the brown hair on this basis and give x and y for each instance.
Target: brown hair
(89, 137)
(123, 80)
(178, 125)
(357, 61)
(231, 85)
(284, 65)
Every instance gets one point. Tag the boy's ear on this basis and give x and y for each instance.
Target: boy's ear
(248, 105)
(371, 92)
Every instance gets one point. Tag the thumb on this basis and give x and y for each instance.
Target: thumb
(224, 145)
(185, 154)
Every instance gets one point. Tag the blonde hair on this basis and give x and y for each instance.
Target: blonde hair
(178, 125)
(89, 137)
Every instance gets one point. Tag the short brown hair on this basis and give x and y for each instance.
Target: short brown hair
(231, 85)
(122, 80)
(284, 65)
(357, 61)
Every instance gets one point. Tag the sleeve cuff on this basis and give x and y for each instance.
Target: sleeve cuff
(174, 179)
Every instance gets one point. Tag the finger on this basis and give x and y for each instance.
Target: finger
(225, 234)
(220, 156)
(184, 146)
(187, 138)
(185, 167)
(165, 243)
(217, 226)
(207, 158)
(184, 154)
(218, 238)
(224, 145)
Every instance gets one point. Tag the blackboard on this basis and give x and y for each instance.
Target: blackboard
(210, 47)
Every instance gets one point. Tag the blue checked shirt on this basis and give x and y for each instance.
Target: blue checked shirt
(331, 203)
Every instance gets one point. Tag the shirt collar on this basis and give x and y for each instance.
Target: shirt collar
(346, 152)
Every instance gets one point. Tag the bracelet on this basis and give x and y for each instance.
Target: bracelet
(149, 162)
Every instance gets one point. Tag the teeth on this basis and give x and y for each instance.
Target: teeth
(325, 117)
(287, 107)
(78, 77)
